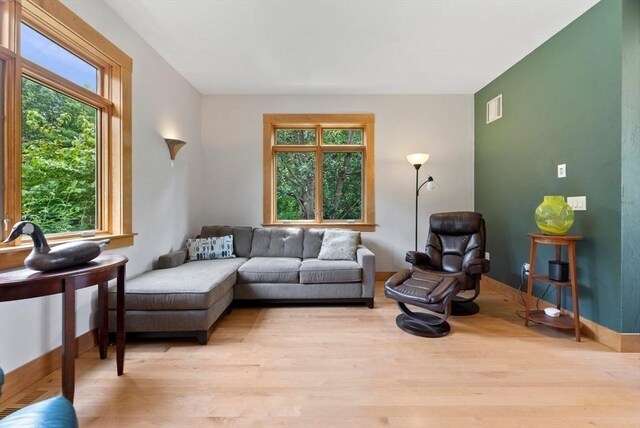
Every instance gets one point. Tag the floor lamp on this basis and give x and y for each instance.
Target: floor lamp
(417, 160)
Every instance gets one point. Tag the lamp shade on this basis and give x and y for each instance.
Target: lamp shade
(174, 145)
(417, 158)
(431, 185)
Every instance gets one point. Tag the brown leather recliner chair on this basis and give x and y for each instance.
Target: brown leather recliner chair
(453, 262)
(455, 248)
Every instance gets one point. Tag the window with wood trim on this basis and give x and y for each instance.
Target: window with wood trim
(318, 170)
(66, 133)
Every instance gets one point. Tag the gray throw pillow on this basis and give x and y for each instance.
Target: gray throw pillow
(339, 245)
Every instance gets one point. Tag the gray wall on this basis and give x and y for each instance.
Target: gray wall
(562, 104)
(441, 125)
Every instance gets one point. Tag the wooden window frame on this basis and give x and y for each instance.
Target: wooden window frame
(112, 99)
(366, 122)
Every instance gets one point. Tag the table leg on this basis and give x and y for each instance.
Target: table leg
(532, 269)
(574, 288)
(120, 320)
(558, 287)
(103, 329)
(68, 340)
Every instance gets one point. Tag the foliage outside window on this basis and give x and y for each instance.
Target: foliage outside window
(319, 170)
(67, 128)
(58, 160)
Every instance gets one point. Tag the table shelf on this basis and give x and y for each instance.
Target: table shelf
(565, 322)
(547, 280)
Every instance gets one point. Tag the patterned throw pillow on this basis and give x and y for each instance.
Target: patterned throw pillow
(339, 245)
(210, 248)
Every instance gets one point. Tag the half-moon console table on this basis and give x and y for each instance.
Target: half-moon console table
(25, 283)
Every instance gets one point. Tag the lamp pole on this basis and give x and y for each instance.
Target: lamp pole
(417, 159)
(417, 194)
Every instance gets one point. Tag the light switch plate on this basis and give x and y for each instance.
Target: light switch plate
(487, 255)
(562, 170)
(578, 203)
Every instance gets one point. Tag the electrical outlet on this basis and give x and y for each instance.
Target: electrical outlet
(487, 255)
(562, 170)
(525, 267)
(578, 203)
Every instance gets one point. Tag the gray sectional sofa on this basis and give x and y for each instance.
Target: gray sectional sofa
(271, 264)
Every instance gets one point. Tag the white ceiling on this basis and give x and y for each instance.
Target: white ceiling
(345, 46)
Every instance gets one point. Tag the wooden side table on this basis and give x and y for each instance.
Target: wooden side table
(564, 321)
(25, 283)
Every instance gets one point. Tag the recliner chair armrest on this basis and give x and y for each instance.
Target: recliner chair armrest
(172, 259)
(477, 266)
(417, 258)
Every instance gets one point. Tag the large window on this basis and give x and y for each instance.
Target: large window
(67, 126)
(319, 170)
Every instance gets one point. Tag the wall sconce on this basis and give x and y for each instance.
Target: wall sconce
(417, 159)
(174, 146)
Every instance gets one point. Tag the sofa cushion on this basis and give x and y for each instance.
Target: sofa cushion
(312, 243)
(193, 285)
(314, 271)
(215, 230)
(269, 269)
(339, 245)
(241, 237)
(277, 242)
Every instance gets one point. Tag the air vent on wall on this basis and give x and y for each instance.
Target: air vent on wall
(494, 109)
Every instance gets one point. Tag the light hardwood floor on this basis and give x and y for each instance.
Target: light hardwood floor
(350, 366)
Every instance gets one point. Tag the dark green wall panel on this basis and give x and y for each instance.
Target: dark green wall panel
(631, 166)
(561, 104)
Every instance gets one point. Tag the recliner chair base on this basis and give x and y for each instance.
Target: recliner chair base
(427, 291)
(463, 307)
(416, 327)
(422, 324)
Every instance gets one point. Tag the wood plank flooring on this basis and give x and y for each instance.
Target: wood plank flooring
(350, 366)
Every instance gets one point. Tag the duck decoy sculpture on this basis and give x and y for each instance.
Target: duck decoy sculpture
(43, 258)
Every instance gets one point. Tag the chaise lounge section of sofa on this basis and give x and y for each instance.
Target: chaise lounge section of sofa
(271, 264)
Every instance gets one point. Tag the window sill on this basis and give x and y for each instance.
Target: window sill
(13, 256)
(360, 227)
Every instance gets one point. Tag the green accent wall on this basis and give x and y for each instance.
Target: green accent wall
(631, 166)
(563, 103)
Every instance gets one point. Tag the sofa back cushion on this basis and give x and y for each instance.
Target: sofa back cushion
(339, 244)
(242, 236)
(312, 243)
(277, 242)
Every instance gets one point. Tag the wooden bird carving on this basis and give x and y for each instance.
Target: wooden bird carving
(44, 258)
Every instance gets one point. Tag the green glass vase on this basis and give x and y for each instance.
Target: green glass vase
(554, 216)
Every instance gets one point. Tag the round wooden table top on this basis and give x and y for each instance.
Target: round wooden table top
(557, 238)
(22, 275)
